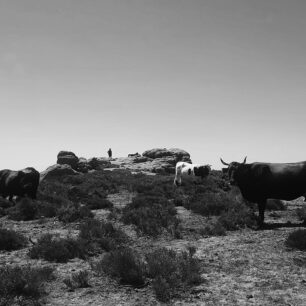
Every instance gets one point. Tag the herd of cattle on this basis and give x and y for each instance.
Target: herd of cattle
(256, 181)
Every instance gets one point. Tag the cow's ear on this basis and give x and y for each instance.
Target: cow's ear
(224, 170)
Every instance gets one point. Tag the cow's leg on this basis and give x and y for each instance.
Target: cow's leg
(261, 209)
(175, 180)
(178, 181)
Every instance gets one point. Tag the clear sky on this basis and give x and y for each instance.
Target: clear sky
(213, 77)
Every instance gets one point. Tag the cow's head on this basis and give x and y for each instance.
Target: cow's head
(232, 170)
(202, 171)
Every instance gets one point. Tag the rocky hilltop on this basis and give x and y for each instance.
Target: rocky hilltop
(157, 160)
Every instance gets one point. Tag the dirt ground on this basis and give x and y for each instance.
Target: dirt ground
(245, 267)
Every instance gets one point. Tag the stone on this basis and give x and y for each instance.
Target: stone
(67, 158)
(175, 153)
(57, 171)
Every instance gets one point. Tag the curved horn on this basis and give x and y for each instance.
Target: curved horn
(223, 162)
(244, 160)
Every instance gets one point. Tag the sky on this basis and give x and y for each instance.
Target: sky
(217, 78)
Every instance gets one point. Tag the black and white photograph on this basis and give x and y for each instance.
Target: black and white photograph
(152, 152)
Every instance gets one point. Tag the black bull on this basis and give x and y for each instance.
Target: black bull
(261, 181)
(19, 183)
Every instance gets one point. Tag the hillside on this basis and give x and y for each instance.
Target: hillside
(119, 219)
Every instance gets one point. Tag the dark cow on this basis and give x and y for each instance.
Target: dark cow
(261, 181)
(186, 169)
(19, 183)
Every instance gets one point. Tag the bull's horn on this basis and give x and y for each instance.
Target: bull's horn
(223, 162)
(244, 160)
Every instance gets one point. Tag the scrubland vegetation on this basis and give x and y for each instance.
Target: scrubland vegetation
(110, 242)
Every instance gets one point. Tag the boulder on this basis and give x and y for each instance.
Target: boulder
(67, 158)
(98, 163)
(83, 165)
(176, 154)
(57, 171)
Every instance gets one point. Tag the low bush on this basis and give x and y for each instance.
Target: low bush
(22, 282)
(301, 213)
(46, 209)
(236, 216)
(97, 235)
(123, 264)
(173, 272)
(297, 240)
(11, 240)
(24, 210)
(77, 280)
(99, 203)
(151, 215)
(54, 192)
(74, 212)
(231, 209)
(213, 228)
(210, 204)
(158, 186)
(57, 249)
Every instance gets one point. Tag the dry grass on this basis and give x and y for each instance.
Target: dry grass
(245, 267)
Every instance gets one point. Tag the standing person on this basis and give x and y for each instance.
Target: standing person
(110, 153)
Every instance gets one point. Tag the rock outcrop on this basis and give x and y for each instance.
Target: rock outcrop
(156, 160)
(99, 163)
(67, 158)
(176, 154)
(56, 171)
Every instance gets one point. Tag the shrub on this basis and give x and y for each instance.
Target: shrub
(98, 203)
(301, 213)
(74, 212)
(98, 182)
(25, 282)
(10, 240)
(57, 249)
(77, 280)
(209, 204)
(157, 185)
(24, 210)
(297, 240)
(231, 208)
(172, 272)
(237, 215)
(98, 235)
(125, 265)
(151, 215)
(213, 228)
(46, 209)
(54, 192)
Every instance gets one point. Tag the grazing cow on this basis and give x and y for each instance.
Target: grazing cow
(19, 183)
(261, 181)
(186, 169)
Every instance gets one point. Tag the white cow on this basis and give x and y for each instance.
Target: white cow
(186, 169)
